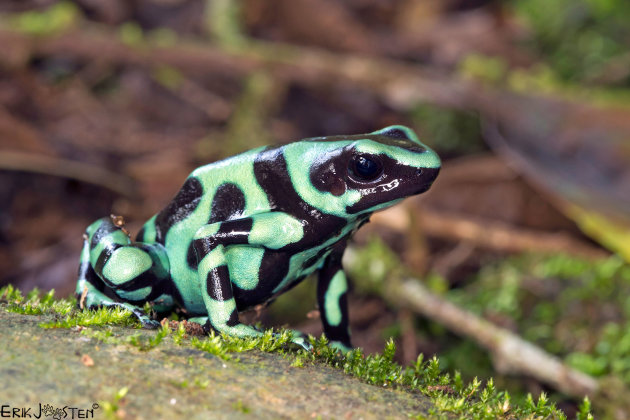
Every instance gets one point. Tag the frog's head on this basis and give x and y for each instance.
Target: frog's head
(351, 175)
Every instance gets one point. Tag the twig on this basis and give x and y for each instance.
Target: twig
(511, 354)
(398, 83)
(488, 234)
(15, 131)
(18, 161)
(502, 237)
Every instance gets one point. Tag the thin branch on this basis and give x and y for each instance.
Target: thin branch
(487, 234)
(511, 354)
(18, 161)
(503, 237)
(398, 83)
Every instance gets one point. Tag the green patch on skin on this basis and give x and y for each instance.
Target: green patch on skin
(139, 294)
(332, 309)
(150, 234)
(406, 157)
(213, 259)
(302, 155)
(126, 263)
(116, 237)
(245, 276)
(275, 230)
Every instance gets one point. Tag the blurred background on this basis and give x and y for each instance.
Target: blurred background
(107, 105)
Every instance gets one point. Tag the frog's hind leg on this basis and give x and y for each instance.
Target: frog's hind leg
(210, 244)
(114, 271)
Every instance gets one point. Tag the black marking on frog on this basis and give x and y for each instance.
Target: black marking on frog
(216, 283)
(228, 203)
(283, 197)
(182, 206)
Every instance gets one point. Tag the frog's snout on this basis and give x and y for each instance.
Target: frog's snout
(426, 176)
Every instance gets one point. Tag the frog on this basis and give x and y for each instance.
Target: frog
(243, 230)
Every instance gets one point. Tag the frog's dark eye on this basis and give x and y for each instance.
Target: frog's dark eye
(365, 167)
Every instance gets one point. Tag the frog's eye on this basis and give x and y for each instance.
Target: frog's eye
(365, 167)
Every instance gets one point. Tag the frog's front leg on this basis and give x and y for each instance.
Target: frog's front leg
(269, 230)
(332, 287)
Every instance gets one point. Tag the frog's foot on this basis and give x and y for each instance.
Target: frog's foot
(340, 347)
(300, 340)
(89, 297)
(205, 324)
(146, 321)
(201, 320)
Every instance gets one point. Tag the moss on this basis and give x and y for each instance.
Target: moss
(34, 303)
(448, 131)
(239, 406)
(545, 296)
(99, 317)
(111, 408)
(56, 18)
(144, 343)
(450, 395)
(106, 336)
(540, 78)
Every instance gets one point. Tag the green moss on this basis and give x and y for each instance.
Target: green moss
(104, 335)
(65, 310)
(179, 334)
(448, 131)
(112, 406)
(582, 40)
(99, 317)
(34, 303)
(131, 33)
(56, 18)
(450, 395)
(239, 406)
(223, 345)
(144, 343)
(549, 295)
(541, 78)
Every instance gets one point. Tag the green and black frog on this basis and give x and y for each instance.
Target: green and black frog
(243, 230)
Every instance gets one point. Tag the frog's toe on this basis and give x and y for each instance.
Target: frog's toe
(340, 347)
(301, 341)
(203, 321)
(148, 323)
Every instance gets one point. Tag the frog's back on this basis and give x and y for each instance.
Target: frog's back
(212, 193)
(220, 191)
